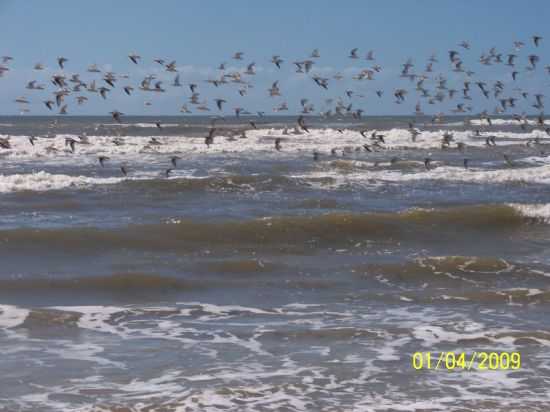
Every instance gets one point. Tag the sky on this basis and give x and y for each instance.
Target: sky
(199, 35)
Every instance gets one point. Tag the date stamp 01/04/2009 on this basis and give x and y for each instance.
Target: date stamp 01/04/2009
(480, 361)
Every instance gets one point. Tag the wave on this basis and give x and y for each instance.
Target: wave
(331, 172)
(511, 296)
(481, 279)
(503, 122)
(334, 175)
(342, 173)
(539, 174)
(243, 266)
(257, 142)
(11, 316)
(448, 271)
(540, 212)
(326, 334)
(427, 267)
(285, 233)
(141, 125)
(218, 183)
(44, 181)
(117, 283)
(129, 281)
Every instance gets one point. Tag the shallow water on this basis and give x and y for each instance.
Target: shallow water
(256, 279)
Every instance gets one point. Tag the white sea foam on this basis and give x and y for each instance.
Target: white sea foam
(294, 378)
(11, 316)
(257, 141)
(95, 317)
(142, 125)
(139, 155)
(538, 211)
(43, 181)
(503, 122)
(369, 174)
(87, 352)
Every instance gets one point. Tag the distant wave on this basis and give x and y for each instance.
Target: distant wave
(503, 122)
(43, 181)
(330, 175)
(142, 125)
(259, 182)
(259, 142)
(340, 173)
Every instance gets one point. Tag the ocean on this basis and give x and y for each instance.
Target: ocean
(253, 279)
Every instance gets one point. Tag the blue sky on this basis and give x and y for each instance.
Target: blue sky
(200, 35)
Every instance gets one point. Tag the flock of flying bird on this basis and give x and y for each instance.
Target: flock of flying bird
(506, 99)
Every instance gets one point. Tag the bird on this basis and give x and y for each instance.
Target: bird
(32, 139)
(174, 160)
(134, 58)
(219, 103)
(110, 79)
(277, 61)
(251, 69)
(116, 115)
(71, 143)
(209, 139)
(103, 92)
(274, 90)
(102, 160)
(171, 67)
(427, 163)
(5, 143)
(33, 86)
(432, 92)
(22, 100)
(321, 82)
(158, 87)
(61, 62)
(93, 68)
(518, 45)
(301, 123)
